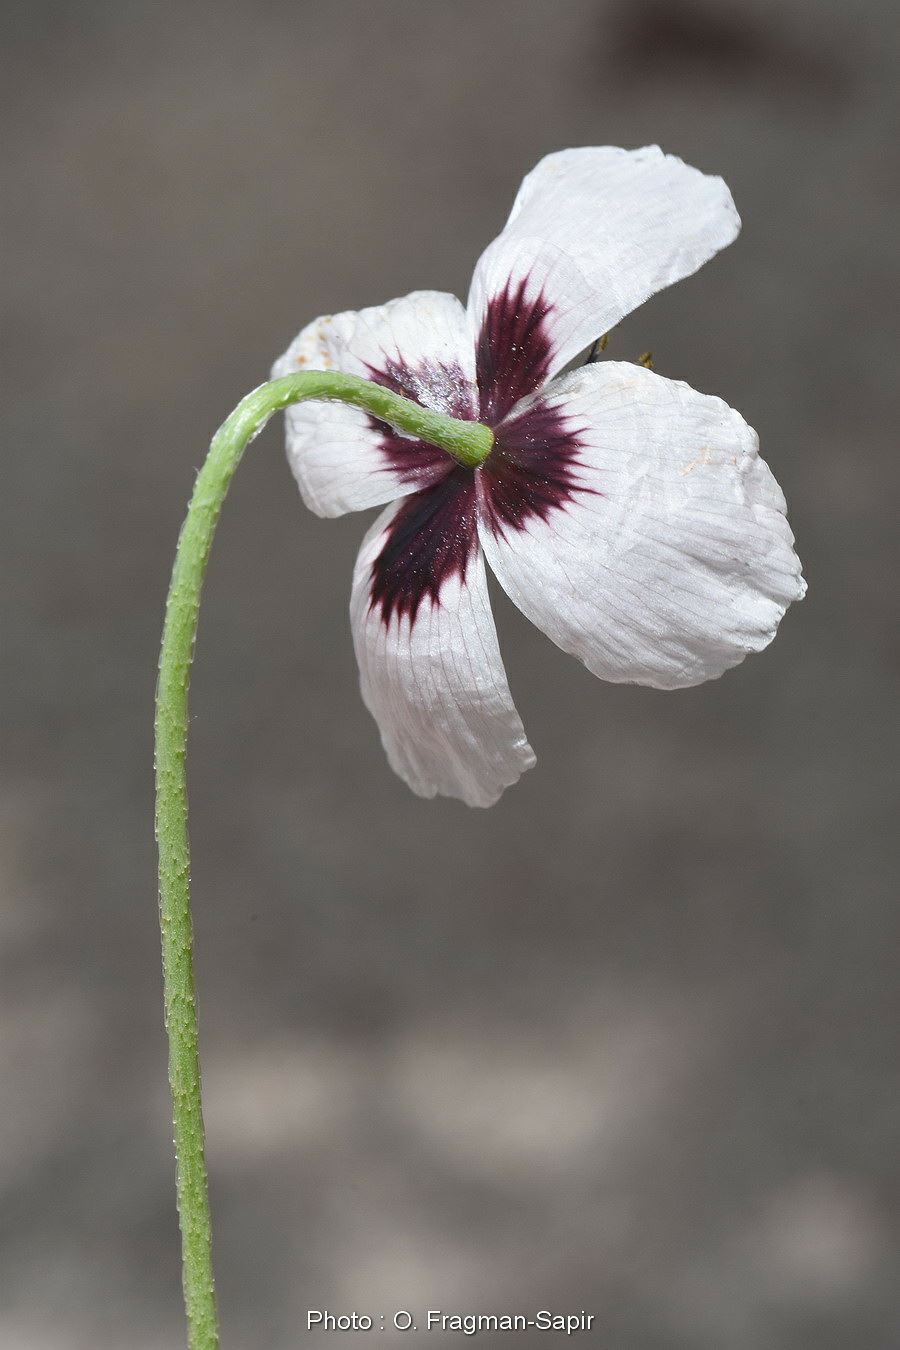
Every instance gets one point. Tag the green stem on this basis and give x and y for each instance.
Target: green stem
(469, 443)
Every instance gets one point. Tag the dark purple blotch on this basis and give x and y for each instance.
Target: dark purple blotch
(531, 471)
(431, 538)
(513, 350)
(443, 388)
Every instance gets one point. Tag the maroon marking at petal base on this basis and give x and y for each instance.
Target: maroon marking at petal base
(444, 389)
(532, 469)
(412, 461)
(512, 351)
(432, 537)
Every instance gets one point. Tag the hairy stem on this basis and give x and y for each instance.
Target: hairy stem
(467, 442)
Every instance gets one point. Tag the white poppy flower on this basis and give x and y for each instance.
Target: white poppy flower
(628, 516)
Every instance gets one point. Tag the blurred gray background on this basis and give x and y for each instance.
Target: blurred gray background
(626, 1042)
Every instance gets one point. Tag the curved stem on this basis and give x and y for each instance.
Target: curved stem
(469, 443)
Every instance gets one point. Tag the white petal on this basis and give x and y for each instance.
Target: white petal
(674, 560)
(436, 686)
(421, 345)
(595, 232)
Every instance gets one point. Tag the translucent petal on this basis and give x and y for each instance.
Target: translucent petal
(671, 558)
(433, 679)
(420, 346)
